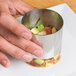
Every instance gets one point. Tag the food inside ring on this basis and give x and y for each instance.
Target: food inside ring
(44, 62)
(42, 30)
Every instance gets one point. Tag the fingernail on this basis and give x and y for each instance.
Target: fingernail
(3, 62)
(27, 35)
(38, 53)
(27, 58)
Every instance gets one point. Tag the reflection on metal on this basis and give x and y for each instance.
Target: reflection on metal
(49, 18)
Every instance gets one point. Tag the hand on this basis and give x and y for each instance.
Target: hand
(15, 39)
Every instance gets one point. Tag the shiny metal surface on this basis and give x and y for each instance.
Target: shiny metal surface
(42, 16)
(52, 42)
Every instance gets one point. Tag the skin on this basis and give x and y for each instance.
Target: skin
(15, 39)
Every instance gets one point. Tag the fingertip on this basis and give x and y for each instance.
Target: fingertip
(36, 41)
(38, 53)
(41, 53)
(8, 64)
(27, 36)
(5, 63)
(27, 57)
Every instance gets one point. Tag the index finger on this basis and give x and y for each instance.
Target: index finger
(14, 26)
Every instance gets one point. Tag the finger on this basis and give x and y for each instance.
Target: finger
(4, 60)
(23, 7)
(36, 41)
(26, 45)
(17, 28)
(33, 48)
(20, 11)
(11, 8)
(4, 8)
(14, 51)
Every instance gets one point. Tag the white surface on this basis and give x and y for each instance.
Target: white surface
(66, 66)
